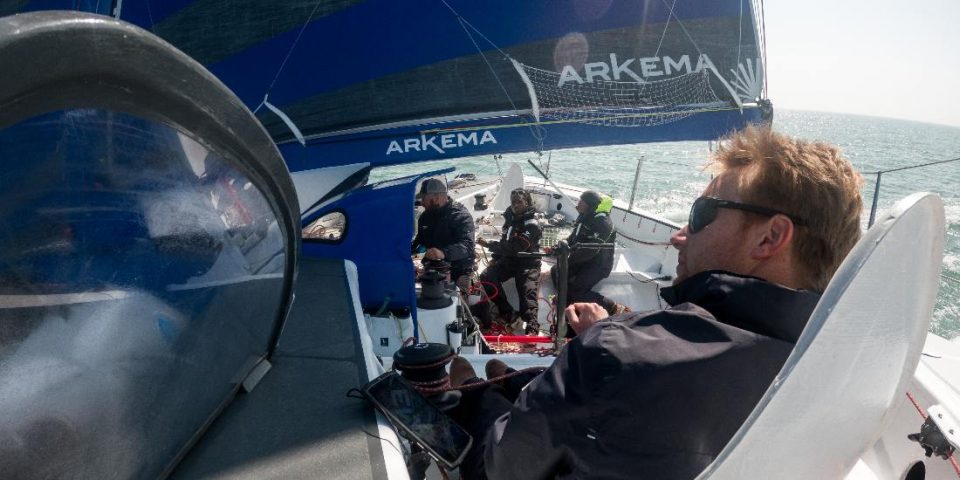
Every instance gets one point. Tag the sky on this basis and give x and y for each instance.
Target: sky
(880, 58)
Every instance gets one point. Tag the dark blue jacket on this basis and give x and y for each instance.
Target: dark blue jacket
(449, 228)
(653, 394)
(592, 227)
(521, 233)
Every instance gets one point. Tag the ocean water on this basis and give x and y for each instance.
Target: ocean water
(671, 175)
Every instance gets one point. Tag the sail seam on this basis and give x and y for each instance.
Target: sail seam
(534, 103)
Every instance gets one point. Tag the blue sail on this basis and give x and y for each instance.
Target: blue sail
(386, 82)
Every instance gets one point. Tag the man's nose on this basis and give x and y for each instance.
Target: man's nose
(679, 238)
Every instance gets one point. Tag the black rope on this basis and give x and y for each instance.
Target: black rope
(535, 129)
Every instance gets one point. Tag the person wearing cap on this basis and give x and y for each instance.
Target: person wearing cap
(586, 266)
(521, 234)
(445, 229)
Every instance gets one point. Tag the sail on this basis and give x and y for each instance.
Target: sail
(339, 81)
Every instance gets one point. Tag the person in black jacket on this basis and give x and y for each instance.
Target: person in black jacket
(445, 229)
(587, 266)
(521, 234)
(659, 394)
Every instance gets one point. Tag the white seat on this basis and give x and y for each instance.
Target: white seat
(851, 365)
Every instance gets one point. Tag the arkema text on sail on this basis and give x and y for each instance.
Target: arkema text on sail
(649, 67)
(440, 143)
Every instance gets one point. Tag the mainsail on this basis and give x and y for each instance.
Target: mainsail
(339, 82)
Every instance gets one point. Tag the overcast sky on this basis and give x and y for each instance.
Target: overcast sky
(883, 58)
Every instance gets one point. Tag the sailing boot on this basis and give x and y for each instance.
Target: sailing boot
(532, 326)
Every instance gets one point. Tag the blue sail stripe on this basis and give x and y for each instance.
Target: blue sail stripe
(374, 146)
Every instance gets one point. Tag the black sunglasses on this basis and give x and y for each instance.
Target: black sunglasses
(704, 212)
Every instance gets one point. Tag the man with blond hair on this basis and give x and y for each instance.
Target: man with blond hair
(659, 394)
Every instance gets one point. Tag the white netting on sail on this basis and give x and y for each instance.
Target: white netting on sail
(618, 104)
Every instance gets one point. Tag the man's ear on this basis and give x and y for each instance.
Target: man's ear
(772, 237)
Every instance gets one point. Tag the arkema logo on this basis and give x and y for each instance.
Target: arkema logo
(440, 143)
(638, 70)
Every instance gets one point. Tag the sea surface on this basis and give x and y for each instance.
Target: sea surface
(671, 175)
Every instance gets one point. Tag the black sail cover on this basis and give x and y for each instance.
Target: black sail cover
(148, 243)
(388, 82)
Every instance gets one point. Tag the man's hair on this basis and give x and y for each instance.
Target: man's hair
(809, 180)
(522, 193)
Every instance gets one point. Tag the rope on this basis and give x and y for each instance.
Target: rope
(913, 166)
(916, 405)
(740, 32)
(437, 131)
(483, 383)
(923, 413)
(684, 28)
(666, 25)
(477, 334)
(535, 127)
(430, 387)
(763, 37)
(484, 298)
(290, 52)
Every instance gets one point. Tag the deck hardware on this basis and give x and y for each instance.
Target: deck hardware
(932, 438)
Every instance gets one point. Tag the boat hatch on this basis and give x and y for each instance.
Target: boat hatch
(147, 249)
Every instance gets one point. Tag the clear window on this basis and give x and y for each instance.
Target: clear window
(329, 227)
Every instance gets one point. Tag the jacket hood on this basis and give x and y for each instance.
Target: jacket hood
(746, 302)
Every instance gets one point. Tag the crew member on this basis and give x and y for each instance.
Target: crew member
(445, 229)
(521, 234)
(587, 266)
(659, 394)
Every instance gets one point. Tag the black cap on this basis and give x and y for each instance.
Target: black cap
(433, 185)
(591, 198)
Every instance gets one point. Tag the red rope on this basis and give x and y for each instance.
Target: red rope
(481, 383)
(517, 339)
(484, 297)
(434, 386)
(953, 461)
(917, 405)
